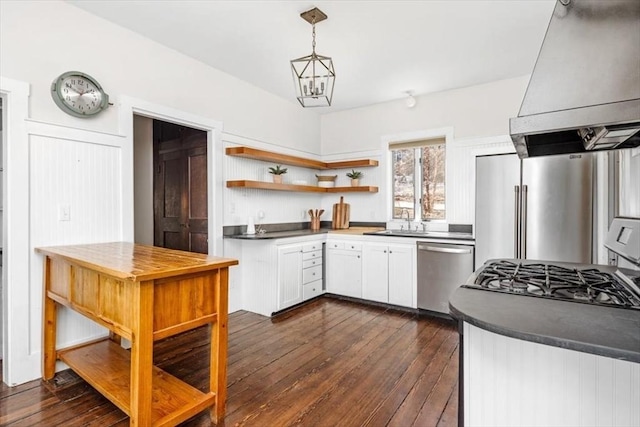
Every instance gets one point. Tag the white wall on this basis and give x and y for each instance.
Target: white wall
(479, 116)
(56, 159)
(36, 46)
(473, 112)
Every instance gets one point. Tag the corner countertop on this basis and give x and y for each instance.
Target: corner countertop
(606, 331)
(301, 233)
(278, 234)
(466, 238)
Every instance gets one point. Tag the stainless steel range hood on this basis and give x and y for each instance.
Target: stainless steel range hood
(584, 93)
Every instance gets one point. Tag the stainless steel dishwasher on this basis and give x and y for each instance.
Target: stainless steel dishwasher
(441, 269)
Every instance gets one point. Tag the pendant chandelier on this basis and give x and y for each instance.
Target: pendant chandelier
(313, 75)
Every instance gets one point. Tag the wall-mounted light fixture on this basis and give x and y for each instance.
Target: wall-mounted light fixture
(313, 75)
(410, 101)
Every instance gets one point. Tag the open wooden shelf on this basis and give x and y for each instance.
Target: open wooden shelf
(269, 156)
(261, 185)
(173, 400)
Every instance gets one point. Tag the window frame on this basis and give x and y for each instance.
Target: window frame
(391, 142)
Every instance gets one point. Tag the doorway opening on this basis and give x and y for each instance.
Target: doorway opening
(171, 185)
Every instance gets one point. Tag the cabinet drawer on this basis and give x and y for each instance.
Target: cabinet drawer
(310, 247)
(311, 290)
(335, 245)
(312, 262)
(312, 274)
(311, 255)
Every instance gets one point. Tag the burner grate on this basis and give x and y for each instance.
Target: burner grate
(588, 285)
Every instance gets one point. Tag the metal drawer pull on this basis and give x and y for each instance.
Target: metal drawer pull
(445, 250)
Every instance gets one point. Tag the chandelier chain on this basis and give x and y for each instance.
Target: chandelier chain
(313, 33)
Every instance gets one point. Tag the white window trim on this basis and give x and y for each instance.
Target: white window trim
(386, 140)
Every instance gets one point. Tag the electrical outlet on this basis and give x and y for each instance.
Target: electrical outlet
(232, 208)
(64, 212)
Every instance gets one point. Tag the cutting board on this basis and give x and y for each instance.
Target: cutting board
(340, 219)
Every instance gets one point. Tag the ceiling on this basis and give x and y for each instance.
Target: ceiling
(381, 49)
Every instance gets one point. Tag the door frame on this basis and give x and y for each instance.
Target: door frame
(128, 107)
(15, 227)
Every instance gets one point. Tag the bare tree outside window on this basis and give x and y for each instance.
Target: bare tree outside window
(418, 182)
(403, 183)
(433, 206)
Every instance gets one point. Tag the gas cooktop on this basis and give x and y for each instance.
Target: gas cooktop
(589, 284)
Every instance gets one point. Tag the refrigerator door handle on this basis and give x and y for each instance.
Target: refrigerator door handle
(523, 237)
(516, 222)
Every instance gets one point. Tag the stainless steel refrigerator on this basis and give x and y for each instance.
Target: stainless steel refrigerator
(536, 208)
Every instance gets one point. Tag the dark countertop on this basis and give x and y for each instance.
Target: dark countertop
(606, 331)
(442, 235)
(278, 234)
(432, 235)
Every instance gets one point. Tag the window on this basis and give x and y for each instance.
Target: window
(418, 180)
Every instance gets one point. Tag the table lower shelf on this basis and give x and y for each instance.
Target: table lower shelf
(107, 367)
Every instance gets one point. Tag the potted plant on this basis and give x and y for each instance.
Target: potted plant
(355, 177)
(277, 173)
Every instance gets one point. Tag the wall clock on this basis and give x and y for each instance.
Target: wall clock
(79, 94)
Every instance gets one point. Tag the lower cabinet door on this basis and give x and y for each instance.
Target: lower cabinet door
(344, 272)
(401, 272)
(375, 286)
(289, 276)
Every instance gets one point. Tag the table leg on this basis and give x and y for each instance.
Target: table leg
(49, 333)
(142, 354)
(219, 341)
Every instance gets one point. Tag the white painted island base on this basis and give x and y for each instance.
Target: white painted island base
(511, 382)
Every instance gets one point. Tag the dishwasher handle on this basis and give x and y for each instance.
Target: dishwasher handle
(443, 250)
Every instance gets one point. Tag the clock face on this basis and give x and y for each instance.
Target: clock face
(79, 95)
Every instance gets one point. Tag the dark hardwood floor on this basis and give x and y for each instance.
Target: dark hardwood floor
(327, 363)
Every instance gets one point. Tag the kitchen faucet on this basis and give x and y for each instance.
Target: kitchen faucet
(402, 215)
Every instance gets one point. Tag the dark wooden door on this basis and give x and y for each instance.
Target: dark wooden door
(180, 188)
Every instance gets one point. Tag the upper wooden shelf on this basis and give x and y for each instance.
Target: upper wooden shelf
(262, 185)
(269, 156)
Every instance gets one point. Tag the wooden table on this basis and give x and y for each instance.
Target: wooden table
(144, 294)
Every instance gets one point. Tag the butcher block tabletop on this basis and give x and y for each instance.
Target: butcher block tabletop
(133, 261)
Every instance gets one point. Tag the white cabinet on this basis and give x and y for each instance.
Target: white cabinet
(388, 273)
(299, 273)
(344, 268)
(375, 283)
(289, 276)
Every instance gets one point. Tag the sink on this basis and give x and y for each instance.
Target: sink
(403, 233)
(418, 234)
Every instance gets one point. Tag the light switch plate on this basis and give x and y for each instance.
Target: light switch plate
(64, 212)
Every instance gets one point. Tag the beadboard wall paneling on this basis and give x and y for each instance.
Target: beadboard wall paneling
(461, 173)
(629, 182)
(510, 382)
(372, 207)
(86, 178)
(259, 273)
(280, 206)
(283, 206)
(277, 206)
(233, 249)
